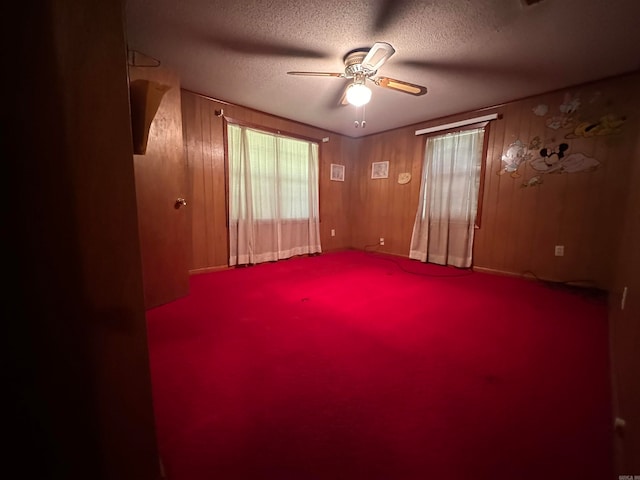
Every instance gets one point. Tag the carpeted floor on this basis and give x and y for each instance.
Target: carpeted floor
(348, 366)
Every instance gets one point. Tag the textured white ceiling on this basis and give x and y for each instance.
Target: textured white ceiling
(469, 53)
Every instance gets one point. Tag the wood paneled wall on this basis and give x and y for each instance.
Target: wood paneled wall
(79, 381)
(520, 225)
(382, 207)
(203, 126)
(624, 328)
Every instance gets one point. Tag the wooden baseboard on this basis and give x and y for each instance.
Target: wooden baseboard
(504, 273)
(530, 276)
(198, 271)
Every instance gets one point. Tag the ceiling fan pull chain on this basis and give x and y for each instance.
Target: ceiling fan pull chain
(363, 123)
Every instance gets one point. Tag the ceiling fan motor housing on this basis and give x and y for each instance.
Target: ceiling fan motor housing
(353, 63)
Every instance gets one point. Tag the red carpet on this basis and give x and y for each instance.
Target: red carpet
(345, 366)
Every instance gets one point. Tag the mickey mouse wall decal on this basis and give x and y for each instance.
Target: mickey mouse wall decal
(553, 156)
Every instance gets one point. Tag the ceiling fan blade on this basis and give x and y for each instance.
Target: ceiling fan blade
(377, 56)
(388, 13)
(317, 74)
(400, 86)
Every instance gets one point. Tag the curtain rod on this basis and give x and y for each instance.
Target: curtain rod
(461, 123)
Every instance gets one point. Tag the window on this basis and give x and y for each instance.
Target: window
(454, 164)
(273, 196)
(277, 172)
(451, 174)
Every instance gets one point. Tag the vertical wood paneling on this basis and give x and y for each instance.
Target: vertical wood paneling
(193, 155)
(506, 247)
(519, 204)
(619, 156)
(383, 207)
(624, 327)
(574, 222)
(80, 385)
(218, 211)
(543, 226)
(335, 197)
(208, 219)
(528, 217)
(488, 235)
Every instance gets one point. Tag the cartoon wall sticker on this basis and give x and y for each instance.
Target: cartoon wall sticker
(549, 157)
(581, 120)
(515, 155)
(577, 162)
(535, 143)
(559, 121)
(533, 181)
(518, 153)
(568, 109)
(571, 104)
(541, 110)
(584, 127)
(607, 125)
(554, 159)
(572, 163)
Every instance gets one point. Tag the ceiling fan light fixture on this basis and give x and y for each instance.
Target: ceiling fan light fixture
(358, 94)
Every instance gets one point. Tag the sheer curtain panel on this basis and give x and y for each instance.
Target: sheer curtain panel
(445, 220)
(273, 196)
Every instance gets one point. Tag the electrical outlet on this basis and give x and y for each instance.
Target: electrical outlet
(559, 250)
(333, 232)
(381, 240)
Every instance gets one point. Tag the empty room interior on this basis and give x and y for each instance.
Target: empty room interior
(391, 240)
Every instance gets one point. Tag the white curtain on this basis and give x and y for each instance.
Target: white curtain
(445, 220)
(273, 196)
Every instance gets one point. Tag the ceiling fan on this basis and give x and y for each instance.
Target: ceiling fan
(362, 64)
